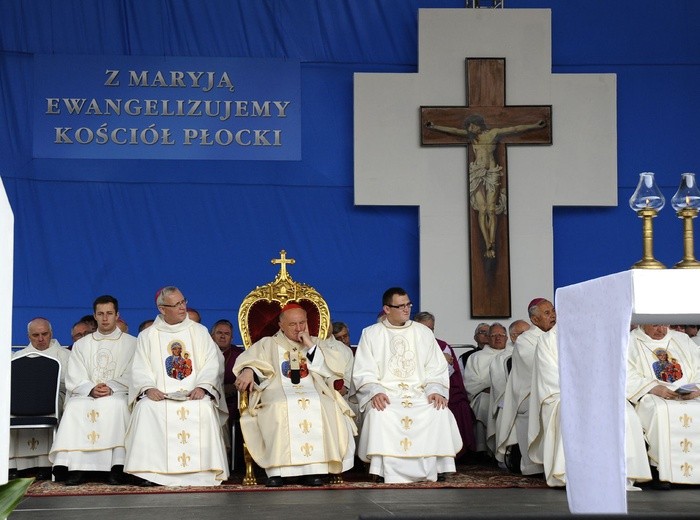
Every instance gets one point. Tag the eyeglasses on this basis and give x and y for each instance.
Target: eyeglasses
(403, 306)
(497, 335)
(181, 303)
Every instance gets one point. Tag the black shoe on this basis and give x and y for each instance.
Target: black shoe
(116, 476)
(442, 477)
(313, 480)
(145, 483)
(274, 482)
(75, 478)
(657, 484)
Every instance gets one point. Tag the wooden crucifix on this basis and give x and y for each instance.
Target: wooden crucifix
(486, 125)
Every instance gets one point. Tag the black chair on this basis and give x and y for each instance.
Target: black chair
(34, 392)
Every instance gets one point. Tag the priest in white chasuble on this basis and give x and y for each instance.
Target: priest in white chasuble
(546, 445)
(90, 435)
(175, 437)
(298, 424)
(663, 370)
(402, 386)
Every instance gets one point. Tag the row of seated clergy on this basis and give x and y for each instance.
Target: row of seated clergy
(171, 380)
(405, 434)
(544, 432)
(29, 448)
(513, 427)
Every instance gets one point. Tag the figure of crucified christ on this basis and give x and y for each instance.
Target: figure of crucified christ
(485, 174)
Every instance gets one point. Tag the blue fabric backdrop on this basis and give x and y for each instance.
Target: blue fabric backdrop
(87, 227)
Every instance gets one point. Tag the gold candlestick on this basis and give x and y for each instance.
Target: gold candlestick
(648, 261)
(689, 261)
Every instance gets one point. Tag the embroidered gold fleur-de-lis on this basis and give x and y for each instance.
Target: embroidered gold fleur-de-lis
(93, 415)
(305, 426)
(685, 420)
(183, 413)
(406, 422)
(307, 449)
(183, 459)
(686, 469)
(303, 403)
(403, 386)
(686, 445)
(407, 403)
(405, 444)
(183, 436)
(33, 444)
(93, 436)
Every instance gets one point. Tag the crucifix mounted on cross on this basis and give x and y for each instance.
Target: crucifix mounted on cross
(485, 126)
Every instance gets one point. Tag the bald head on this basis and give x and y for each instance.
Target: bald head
(292, 322)
(516, 328)
(40, 333)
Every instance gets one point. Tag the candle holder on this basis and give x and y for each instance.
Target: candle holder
(647, 200)
(686, 202)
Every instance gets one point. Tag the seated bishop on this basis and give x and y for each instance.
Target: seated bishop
(175, 437)
(662, 371)
(90, 435)
(297, 423)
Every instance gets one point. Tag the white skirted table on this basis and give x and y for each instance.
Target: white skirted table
(593, 322)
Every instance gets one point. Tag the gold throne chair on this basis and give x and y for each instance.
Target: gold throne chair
(258, 317)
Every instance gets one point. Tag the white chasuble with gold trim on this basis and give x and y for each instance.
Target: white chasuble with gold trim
(407, 365)
(671, 427)
(305, 423)
(177, 441)
(299, 428)
(91, 433)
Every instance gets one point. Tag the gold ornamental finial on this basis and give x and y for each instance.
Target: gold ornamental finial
(283, 261)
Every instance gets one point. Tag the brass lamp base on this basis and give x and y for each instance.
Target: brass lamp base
(687, 264)
(649, 264)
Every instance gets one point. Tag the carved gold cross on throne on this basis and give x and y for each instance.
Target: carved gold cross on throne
(486, 125)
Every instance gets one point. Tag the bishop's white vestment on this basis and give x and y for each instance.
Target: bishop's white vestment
(544, 434)
(478, 384)
(410, 440)
(177, 442)
(29, 447)
(303, 428)
(516, 401)
(672, 428)
(90, 435)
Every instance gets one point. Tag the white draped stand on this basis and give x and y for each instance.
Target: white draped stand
(593, 319)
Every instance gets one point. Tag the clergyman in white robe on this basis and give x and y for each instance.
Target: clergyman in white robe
(544, 435)
(516, 402)
(411, 439)
(29, 447)
(477, 381)
(656, 368)
(177, 441)
(91, 433)
(498, 374)
(297, 429)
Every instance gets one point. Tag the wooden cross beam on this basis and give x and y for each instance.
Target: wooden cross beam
(486, 125)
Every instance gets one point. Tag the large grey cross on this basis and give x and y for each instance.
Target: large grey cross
(391, 167)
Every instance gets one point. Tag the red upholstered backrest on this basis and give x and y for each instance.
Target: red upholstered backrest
(263, 318)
